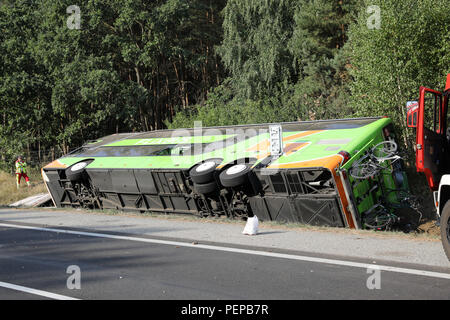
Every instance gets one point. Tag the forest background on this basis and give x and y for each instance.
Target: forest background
(71, 72)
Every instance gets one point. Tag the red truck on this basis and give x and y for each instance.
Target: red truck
(431, 119)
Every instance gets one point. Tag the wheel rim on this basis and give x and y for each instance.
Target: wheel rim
(78, 166)
(205, 166)
(236, 169)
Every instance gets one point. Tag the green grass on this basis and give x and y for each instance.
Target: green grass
(9, 192)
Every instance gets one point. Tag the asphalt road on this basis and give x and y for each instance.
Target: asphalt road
(116, 268)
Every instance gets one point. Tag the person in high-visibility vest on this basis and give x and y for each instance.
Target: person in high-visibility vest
(21, 171)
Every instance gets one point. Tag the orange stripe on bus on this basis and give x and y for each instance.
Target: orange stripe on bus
(344, 202)
(56, 164)
(331, 162)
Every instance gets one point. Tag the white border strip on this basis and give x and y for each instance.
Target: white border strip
(244, 251)
(35, 291)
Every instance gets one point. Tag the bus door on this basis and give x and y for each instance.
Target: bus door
(431, 141)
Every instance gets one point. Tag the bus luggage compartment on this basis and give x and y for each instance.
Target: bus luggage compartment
(143, 190)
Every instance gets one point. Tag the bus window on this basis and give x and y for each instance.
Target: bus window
(431, 110)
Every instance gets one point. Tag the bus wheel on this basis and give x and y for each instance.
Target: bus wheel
(445, 229)
(205, 188)
(203, 172)
(235, 176)
(76, 171)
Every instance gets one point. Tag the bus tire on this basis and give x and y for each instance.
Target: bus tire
(203, 172)
(76, 172)
(235, 176)
(205, 188)
(445, 229)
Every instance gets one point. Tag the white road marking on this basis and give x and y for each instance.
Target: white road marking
(244, 251)
(35, 291)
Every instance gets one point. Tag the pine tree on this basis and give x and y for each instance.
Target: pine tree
(319, 36)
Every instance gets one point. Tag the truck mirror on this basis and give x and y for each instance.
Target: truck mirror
(412, 114)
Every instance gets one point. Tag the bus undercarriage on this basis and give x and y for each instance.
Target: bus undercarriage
(285, 195)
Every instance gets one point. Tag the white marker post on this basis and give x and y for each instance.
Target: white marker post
(276, 140)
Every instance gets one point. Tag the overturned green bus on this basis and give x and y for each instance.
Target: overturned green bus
(341, 173)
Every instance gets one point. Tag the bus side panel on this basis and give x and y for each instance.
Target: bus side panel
(303, 195)
(54, 186)
(155, 190)
(310, 210)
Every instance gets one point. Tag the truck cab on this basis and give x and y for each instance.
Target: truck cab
(431, 120)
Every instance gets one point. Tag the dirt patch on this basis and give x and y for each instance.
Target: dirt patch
(264, 225)
(430, 228)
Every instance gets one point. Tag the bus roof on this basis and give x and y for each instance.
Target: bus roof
(306, 144)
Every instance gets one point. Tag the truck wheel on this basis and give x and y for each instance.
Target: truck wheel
(205, 188)
(203, 172)
(235, 176)
(76, 172)
(445, 229)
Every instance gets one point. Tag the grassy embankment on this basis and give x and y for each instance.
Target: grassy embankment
(9, 192)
